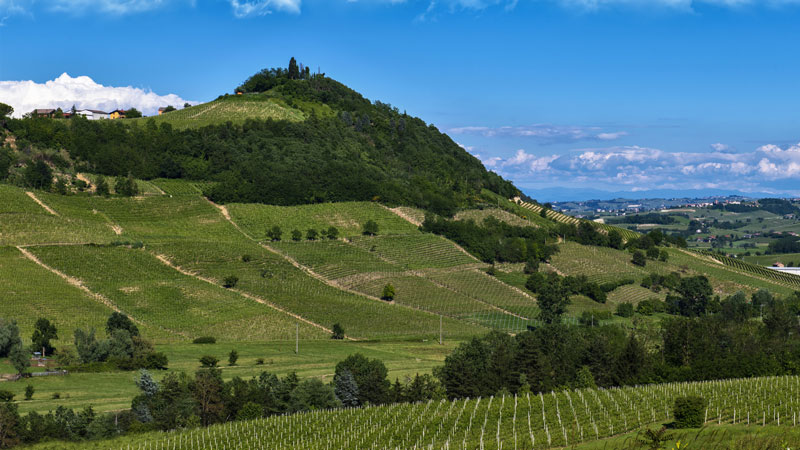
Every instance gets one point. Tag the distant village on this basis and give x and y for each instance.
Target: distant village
(93, 114)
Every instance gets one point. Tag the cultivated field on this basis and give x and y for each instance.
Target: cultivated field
(235, 109)
(529, 421)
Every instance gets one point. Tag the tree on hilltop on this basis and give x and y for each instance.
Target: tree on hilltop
(294, 71)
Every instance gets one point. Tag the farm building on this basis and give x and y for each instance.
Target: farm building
(117, 114)
(92, 114)
(43, 112)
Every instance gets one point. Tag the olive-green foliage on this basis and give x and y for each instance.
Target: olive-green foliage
(233, 356)
(44, 331)
(126, 186)
(338, 331)
(689, 412)
(370, 228)
(209, 361)
(388, 292)
(38, 175)
(639, 258)
(625, 309)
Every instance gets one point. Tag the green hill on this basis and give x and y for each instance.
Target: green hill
(287, 141)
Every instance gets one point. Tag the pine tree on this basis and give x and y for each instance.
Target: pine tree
(294, 71)
(346, 389)
(146, 383)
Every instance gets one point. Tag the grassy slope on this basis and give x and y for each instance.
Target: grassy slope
(236, 109)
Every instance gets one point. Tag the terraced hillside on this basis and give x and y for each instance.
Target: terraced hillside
(173, 285)
(162, 259)
(555, 420)
(563, 218)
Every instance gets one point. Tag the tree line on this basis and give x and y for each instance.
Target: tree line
(728, 343)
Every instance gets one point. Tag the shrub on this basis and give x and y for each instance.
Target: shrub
(233, 356)
(230, 281)
(246, 258)
(332, 232)
(56, 395)
(491, 271)
(388, 292)
(625, 309)
(689, 412)
(260, 361)
(652, 253)
(297, 235)
(645, 308)
(638, 258)
(338, 331)
(6, 396)
(275, 233)
(663, 256)
(209, 361)
(531, 266)
(205, 340)
(370, 228)
(312, 234)
(250, 411)
(29, 390)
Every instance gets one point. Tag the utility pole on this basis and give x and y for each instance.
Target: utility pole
(297, 339)
(440, 330)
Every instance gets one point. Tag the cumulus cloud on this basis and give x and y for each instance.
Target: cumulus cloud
(262, 7)
(634, 167)
(84, 93)
(544, 132)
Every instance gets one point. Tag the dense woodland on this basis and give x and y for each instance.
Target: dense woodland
(351, 150)
(725, 343)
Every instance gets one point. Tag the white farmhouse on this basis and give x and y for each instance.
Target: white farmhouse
(92, 114)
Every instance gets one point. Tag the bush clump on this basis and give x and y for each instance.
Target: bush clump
(205, 340)
(689, 412)
(230, 281)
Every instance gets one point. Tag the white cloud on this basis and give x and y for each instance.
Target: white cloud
(83, 92)
(637, 167)
(247, 8)
(720, 147)
(544, 132)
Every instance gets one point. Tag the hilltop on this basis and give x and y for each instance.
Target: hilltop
(289, 141)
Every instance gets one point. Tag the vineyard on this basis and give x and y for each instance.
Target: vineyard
(569, 220)
(235, 109)
(527, 421)
(784, 278)
(347, 217)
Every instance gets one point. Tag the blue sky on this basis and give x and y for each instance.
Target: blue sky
(578, 95)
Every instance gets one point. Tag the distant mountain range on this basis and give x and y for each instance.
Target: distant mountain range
(564, 194)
